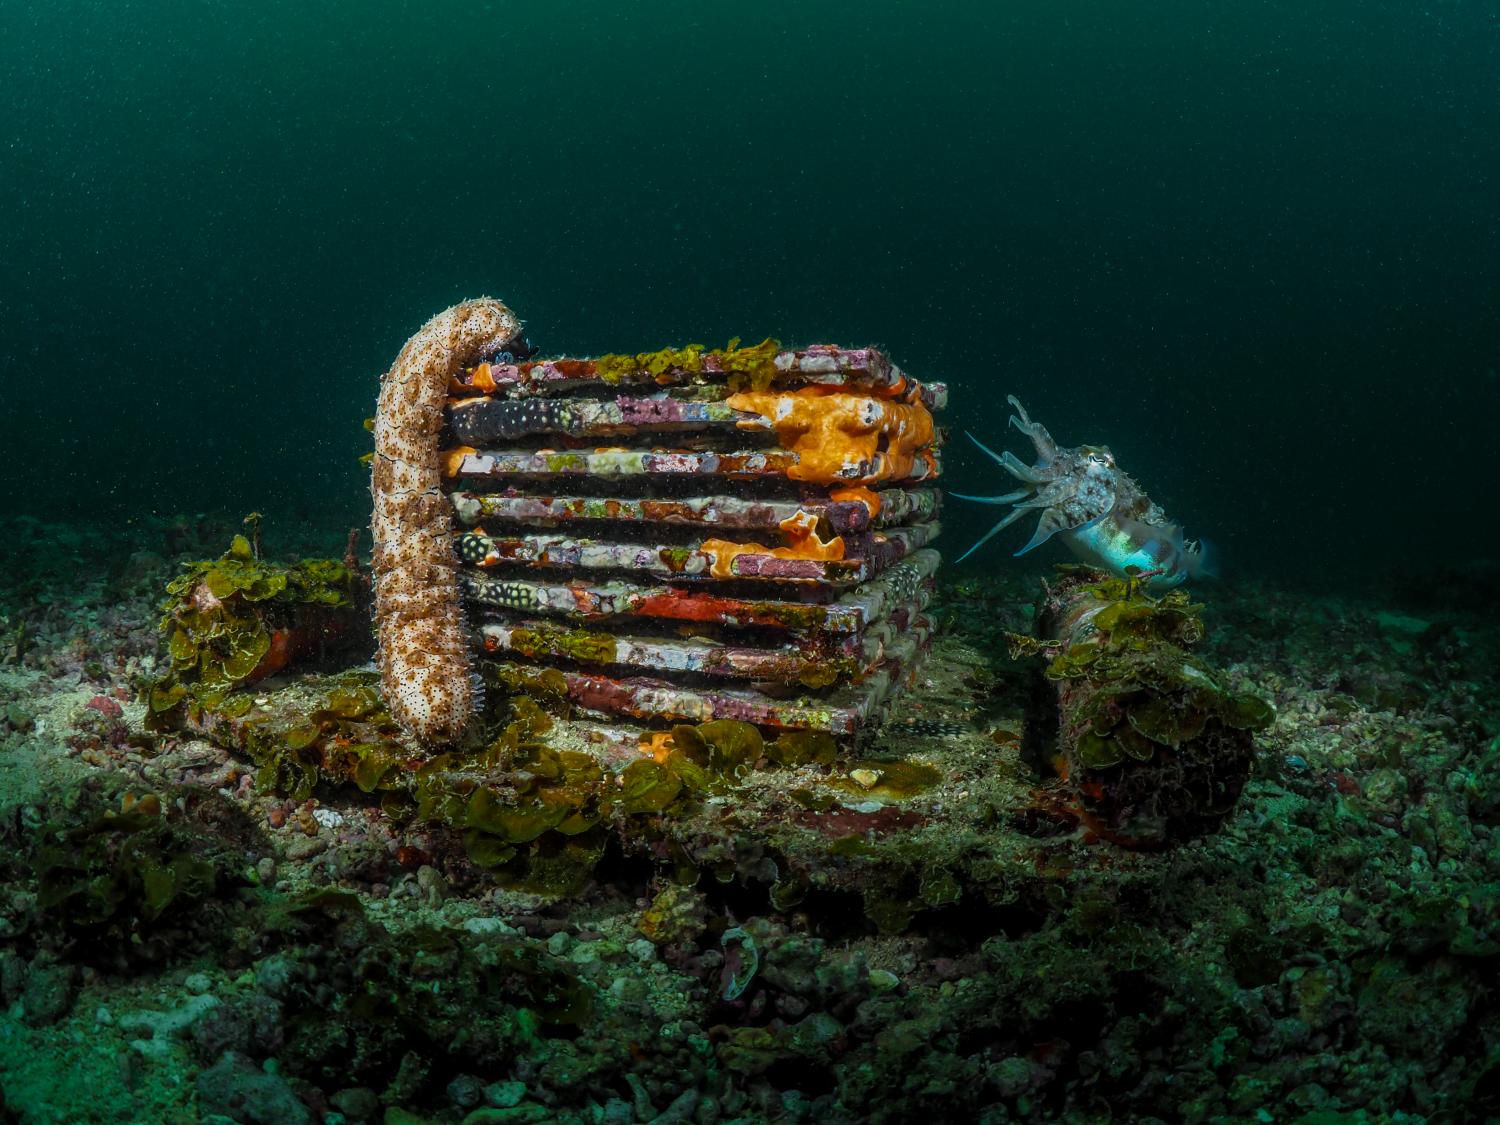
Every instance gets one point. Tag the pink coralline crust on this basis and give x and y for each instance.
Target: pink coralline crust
(105, 706)
(839, 823)
(425, 663)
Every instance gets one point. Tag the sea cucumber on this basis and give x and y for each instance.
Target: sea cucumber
(426, 671)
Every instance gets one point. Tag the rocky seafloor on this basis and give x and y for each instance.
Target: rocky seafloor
(177, 944)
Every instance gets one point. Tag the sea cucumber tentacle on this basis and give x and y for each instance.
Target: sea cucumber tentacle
(424, 657)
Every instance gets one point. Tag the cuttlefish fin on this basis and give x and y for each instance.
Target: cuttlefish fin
(1203, 559)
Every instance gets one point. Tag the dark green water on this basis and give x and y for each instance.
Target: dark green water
(1252, 246)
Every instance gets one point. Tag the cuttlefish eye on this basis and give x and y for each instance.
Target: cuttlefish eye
(1101, 458)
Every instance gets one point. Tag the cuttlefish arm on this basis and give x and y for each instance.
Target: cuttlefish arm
(1056, 485)
(1053, 501)
(1046, 448)
(1010, 518)
(1010, 463)
(1053, 521)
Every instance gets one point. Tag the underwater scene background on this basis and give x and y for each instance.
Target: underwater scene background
(1253, 248)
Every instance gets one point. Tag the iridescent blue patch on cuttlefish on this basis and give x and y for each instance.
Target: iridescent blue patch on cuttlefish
(1091, 505)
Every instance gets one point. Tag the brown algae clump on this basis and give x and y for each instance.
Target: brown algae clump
(1155, 749)
(237, 619)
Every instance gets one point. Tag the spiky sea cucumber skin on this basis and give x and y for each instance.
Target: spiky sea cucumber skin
(424, 657)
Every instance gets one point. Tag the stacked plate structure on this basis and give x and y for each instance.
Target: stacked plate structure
(690, 535)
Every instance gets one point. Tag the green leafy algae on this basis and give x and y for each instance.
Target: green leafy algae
(747, 368)
(724, 746)
(1146, 691)
(544, 642)
(222, 618)
(895, 779)
(117, 876)
(794, 748)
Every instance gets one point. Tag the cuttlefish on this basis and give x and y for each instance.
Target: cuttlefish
(1094, 507)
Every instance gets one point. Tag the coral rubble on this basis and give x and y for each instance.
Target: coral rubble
(303, 918)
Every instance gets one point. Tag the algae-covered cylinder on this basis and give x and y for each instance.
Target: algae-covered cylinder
(1153, 746)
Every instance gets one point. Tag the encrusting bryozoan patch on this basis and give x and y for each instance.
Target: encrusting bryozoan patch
(425, 663)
